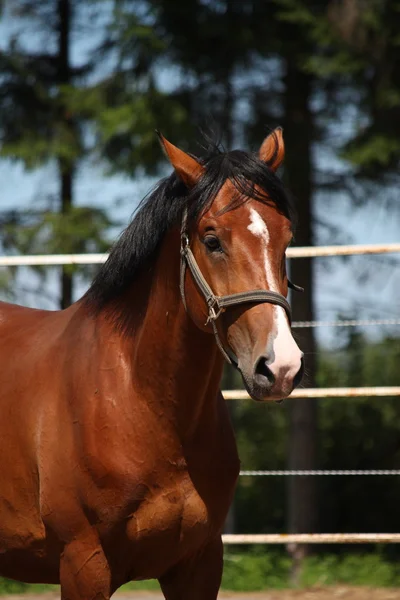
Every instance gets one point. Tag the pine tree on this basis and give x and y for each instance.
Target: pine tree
(56, 110)
(38, 125)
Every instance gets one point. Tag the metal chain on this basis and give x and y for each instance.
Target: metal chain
(321, 472)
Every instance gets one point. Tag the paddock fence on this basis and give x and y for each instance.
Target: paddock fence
(299, 252)
(343, 392)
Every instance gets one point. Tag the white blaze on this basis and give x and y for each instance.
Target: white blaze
(259, 228)
(286, 355)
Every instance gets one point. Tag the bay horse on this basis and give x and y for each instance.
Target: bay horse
(118, 459)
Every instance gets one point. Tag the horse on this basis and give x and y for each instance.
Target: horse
(118, 458)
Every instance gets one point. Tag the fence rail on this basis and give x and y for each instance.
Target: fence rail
(312, 538)
(301, 252)
(320, 472)
(342, 392)
(315, 251)
(44, 260)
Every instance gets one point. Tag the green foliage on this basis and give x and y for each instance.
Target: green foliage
(352, 49)
(81, 230)
(9, 586)
(35, 125)
(373, 150)
(359, 434)
(46, 114)
(255, 570)
(126, 133)
(5, 277)
(352, 569)
(261, 569)
(106, 107)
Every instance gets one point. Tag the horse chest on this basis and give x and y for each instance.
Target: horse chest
(174, 520)
(175, 511)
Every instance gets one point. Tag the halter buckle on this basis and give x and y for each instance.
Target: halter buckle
(212, 313)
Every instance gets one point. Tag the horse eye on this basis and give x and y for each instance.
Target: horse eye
(212, 243)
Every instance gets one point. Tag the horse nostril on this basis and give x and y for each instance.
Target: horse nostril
(263, 375)
(299, 375)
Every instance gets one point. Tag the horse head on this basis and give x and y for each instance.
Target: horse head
(236, 284)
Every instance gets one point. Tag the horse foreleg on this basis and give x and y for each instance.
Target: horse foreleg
(198, 578)
(84, 571)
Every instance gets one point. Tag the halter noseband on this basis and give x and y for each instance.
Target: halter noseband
(218, 304)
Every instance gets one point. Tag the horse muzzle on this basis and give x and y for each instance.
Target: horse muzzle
(269, 382)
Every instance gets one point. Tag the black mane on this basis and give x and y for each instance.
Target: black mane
(162, 210)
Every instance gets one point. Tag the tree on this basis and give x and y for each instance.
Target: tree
(39, 125)
(62, 111)
(367, 33)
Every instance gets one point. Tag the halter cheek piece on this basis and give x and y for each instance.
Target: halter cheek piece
(218, 304)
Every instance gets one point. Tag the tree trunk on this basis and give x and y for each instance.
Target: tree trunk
(302, 502)
(65, 167)
(227, 121)
(66, 179)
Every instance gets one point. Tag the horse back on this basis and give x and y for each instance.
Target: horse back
(27, 339)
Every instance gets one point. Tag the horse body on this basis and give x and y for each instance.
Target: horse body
(107, 449)
(118, 459)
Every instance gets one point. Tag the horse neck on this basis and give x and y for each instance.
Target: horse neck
(176, 367)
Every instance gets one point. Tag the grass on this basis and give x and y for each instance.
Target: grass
(260, 569)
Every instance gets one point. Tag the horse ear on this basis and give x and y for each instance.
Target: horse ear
(186, 167)
(272, 150)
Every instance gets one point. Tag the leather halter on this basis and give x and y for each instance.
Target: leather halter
(218, 304)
